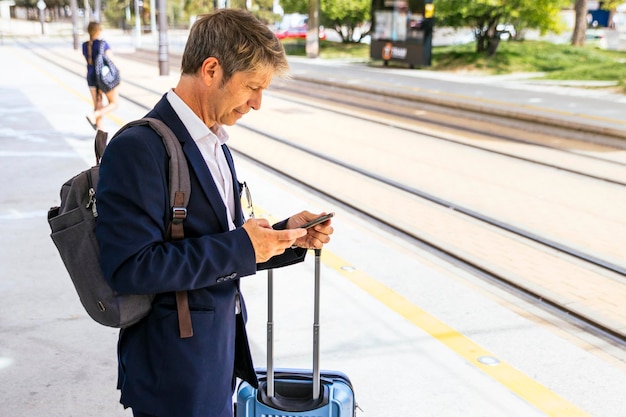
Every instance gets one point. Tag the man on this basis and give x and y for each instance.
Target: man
(229, 59)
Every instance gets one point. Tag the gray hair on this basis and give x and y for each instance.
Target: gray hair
(237, 39)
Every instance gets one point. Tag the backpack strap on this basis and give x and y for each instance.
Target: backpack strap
(180, 190)
(98, 64)
(99, 144)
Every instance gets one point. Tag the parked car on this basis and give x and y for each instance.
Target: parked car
(298, 32)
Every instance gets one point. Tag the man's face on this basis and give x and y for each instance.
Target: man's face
(241, 93)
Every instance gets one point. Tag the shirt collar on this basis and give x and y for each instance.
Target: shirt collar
(196, 127)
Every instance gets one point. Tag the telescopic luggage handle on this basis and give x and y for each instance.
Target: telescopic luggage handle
(316, 330)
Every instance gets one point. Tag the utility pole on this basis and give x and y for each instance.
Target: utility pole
(97, 5)
(41, 5)
(74, 6)
(164, 64)
(313, 30)
(153, 24)
(87, 15)
(137, 25)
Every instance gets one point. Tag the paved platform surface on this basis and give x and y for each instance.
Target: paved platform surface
(55, 362)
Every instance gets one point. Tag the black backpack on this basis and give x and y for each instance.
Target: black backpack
(73, 225)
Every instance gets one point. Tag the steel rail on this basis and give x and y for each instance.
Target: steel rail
(590, 325)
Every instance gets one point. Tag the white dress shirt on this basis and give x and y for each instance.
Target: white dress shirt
(210, 142)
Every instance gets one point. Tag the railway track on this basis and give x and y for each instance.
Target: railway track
(351, 182)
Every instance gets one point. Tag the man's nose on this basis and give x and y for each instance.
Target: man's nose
(255, 101)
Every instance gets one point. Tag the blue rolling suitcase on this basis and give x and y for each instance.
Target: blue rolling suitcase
(296, 392)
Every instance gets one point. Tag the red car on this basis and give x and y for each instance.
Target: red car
(297, 32)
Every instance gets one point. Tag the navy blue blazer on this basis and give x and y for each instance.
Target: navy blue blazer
(160, 373)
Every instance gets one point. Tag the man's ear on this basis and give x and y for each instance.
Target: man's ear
(211, 70)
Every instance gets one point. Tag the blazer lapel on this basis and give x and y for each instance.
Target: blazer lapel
(197, 164)
(239, 218)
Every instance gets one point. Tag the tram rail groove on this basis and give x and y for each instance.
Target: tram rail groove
(574, 171)
(612, 137)
(518, 114)
(448, 204)
(586, 323)
(591, 325)
(357, 105)
(408, 110)
(564, 130)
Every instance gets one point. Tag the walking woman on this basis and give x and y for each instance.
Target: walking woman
(91, 49)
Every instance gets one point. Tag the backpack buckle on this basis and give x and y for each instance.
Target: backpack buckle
(178, 214)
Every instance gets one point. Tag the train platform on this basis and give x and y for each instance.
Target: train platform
(591, 106)
(439, 344)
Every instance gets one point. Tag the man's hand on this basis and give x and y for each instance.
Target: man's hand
(316, 236)
(268, 242)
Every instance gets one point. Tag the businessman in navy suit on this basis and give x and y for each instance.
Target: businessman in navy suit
(229, 60)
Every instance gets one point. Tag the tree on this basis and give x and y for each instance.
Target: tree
(294, 6)
(264, 11)
(114, 13)
(197, 7)
(343, 16)
(580, 24)
(490, 18)
(611, 6)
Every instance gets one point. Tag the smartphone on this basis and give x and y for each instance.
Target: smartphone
(317, 221)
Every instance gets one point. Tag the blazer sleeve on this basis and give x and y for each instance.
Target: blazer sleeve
(133, 208)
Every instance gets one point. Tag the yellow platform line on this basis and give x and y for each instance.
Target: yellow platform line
(525, 387)
(516, 381)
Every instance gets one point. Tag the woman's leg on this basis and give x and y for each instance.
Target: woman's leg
(112, 104)
(96, 97)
